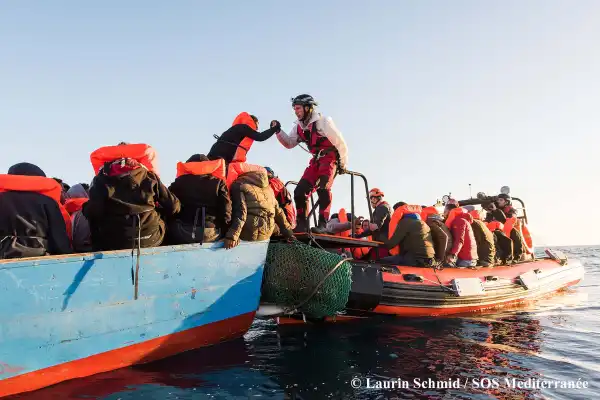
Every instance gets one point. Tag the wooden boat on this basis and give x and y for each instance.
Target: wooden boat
(72, 316)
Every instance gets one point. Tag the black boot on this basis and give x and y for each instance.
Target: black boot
(322, 227)
(301, 225)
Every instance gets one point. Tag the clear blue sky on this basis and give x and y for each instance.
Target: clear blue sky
(430, 96)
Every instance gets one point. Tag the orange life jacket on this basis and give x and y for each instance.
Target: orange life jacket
(244, 147)
(514, 222)
(475, 214)
(74, 205)
(238, 168)
(37, 184)
(215, 168)
(343, 218)
(396, 217)
(492, 226)
(140, 152)
(427, 211)
(452, 215)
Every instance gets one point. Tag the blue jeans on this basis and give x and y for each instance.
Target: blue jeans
(466, 263)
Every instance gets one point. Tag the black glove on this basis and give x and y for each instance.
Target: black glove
(275, 125)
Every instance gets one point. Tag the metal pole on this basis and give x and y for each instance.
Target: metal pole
(352, 202)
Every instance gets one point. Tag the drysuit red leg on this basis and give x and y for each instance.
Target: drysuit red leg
(319, 176)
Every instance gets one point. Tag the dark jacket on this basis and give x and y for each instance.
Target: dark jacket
(227, 144)
(441, 235)
(195, 192)
(31, 225)
(381, 217)
(125, 202)
(414, 238)
(464, 246)
(255, 213)
(484, 238)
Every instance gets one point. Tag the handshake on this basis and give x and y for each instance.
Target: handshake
(276, 125)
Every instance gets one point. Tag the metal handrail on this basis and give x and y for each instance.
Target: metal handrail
(312, 199)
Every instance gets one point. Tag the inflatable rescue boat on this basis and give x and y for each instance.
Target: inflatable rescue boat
(408, 291)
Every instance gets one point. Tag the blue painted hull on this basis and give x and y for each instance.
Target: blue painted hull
(68, 316)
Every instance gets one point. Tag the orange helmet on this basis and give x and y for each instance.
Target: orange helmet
(375, 193)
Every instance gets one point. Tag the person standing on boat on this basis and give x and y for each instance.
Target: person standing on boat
(33, 222)
(329, 157)
(234, 144)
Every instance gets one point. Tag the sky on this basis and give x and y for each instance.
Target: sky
(431, 96)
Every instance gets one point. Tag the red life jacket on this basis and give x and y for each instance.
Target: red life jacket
(284, 198)
(140, 152)
(37, 184)
(244, 147)
(215, 168)
(317, 143)
(74, 205)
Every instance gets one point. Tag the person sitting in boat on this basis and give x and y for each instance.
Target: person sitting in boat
(484, 238)
(337, 225)
(65, 187)
(234, 144)
(283, 196)
(33, 222)
(413, 237)
(464, 249)
(256, 215)
(77, 196)
(205, 203)
(441, 236)
(330, 157)
(398, 204)
(382, 214)
(127, 204)
(502, 243)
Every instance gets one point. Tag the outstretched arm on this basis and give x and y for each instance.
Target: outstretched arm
(289, 140)
(337, 139)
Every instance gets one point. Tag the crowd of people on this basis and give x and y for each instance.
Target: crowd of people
(219, 196)
(426, 236)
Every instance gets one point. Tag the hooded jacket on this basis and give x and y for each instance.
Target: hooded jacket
(414, 238)
(125, 201)
(235, 142)
(441, 235)
(195, 192)
(484, 238)
(255, 213)
(464, 247)
(77, 196)
(325, 127)
(31, 223)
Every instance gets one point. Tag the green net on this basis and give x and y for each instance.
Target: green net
(299, 276)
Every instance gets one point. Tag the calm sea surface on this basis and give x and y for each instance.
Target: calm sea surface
(555, 341)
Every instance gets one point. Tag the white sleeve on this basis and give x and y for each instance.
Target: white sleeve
(335, 137)
(290, 140)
